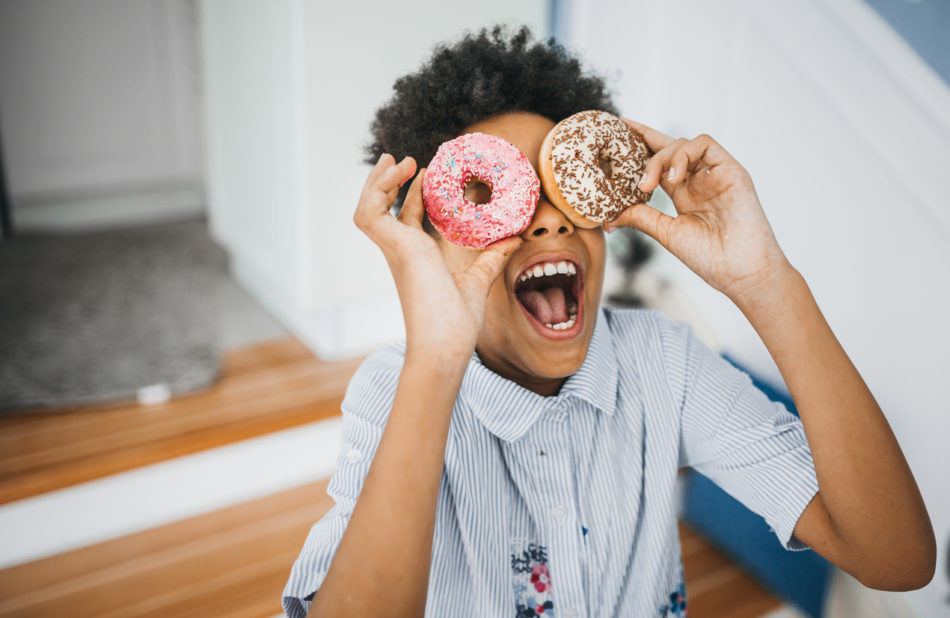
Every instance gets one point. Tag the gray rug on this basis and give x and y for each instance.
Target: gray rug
(98, 316)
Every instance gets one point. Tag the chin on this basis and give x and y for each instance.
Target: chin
(559, 367)
(538, 361)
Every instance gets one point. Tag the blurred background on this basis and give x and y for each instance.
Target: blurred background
(183, 296)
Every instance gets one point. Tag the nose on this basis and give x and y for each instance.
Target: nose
(548, 222)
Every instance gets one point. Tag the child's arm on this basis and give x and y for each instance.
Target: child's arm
(868, 517)
(382, 564)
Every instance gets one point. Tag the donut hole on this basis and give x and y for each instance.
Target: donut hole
(477, 191)
(605, 165)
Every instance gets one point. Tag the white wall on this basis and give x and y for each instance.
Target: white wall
(100, 111)
(846, 134)
(291, 90)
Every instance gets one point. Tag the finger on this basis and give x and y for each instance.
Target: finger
(382, 164)
(412, 207)
(381, 189)
(647, 219)
(686, 156)
(394, 177)
(658, 164)
(654, 139)
(490, 262)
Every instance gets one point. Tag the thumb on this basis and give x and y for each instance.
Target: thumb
(648, 220)
(488, 265)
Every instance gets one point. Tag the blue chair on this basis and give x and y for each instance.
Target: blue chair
(801, 578)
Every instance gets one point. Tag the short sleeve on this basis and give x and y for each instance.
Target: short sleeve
(365, 408)
(751, 447)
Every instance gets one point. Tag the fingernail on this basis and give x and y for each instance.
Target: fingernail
(672, 173)
(381, 157)
(642, 181)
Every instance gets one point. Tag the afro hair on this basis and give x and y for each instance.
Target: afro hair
(479, 77)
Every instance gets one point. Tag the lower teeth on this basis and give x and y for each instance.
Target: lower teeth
(563, 325)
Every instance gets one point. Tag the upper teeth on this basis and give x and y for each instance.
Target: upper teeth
(549, 268)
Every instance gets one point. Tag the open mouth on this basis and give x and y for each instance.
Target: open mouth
(550, 293)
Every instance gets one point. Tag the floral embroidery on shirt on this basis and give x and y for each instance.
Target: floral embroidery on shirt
(532, 580)
(677, 605)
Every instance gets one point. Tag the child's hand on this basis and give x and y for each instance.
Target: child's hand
(721, 232)
(443, 311)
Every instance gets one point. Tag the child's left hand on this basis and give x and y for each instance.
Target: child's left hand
(720, 231)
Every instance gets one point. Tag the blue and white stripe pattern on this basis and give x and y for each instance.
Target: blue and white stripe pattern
(588, 475)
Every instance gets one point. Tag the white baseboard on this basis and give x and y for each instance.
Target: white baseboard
(117, 211)
(334, 330)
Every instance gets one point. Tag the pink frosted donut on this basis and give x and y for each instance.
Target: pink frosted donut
(515, 188)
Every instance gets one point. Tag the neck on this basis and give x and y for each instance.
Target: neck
(546, 387)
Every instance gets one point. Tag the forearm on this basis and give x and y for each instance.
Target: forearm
(381, 567)
(866, 486)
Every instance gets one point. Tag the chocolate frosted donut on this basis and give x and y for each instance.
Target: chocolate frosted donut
(591, 164)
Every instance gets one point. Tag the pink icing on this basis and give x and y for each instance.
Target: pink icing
(514, 183)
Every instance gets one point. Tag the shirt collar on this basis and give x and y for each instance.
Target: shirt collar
(508, 410)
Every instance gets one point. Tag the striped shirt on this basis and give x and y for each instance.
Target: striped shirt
(565, 506)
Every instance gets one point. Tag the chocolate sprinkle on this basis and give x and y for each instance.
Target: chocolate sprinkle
(578, 143)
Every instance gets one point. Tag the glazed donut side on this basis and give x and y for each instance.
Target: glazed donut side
(548, 183)
(489, 159)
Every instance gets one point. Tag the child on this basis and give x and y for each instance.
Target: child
(494, 467)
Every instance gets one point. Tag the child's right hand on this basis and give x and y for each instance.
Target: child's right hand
(443, 311)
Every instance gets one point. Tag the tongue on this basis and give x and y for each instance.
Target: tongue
(549, 306)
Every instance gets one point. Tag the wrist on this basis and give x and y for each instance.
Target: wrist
(770, 293)
(437, 360)
(431, 383)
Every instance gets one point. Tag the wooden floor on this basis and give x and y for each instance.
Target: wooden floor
(262, 388)
(232, 562)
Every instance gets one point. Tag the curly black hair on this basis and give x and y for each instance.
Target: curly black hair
(481, 76)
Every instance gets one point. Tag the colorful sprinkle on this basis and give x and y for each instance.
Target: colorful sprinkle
(477, 225)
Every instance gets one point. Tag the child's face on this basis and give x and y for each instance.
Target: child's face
(513, 343)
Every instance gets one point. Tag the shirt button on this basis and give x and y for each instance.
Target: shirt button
(570, 612)
(353, 456)
(559, 513)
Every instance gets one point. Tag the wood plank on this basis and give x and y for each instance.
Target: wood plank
(85, 431)
(263, 388)
(230, 562)
(263, 355)
(233, 362)
(738, 597)
(716, 587)
(50, 478)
